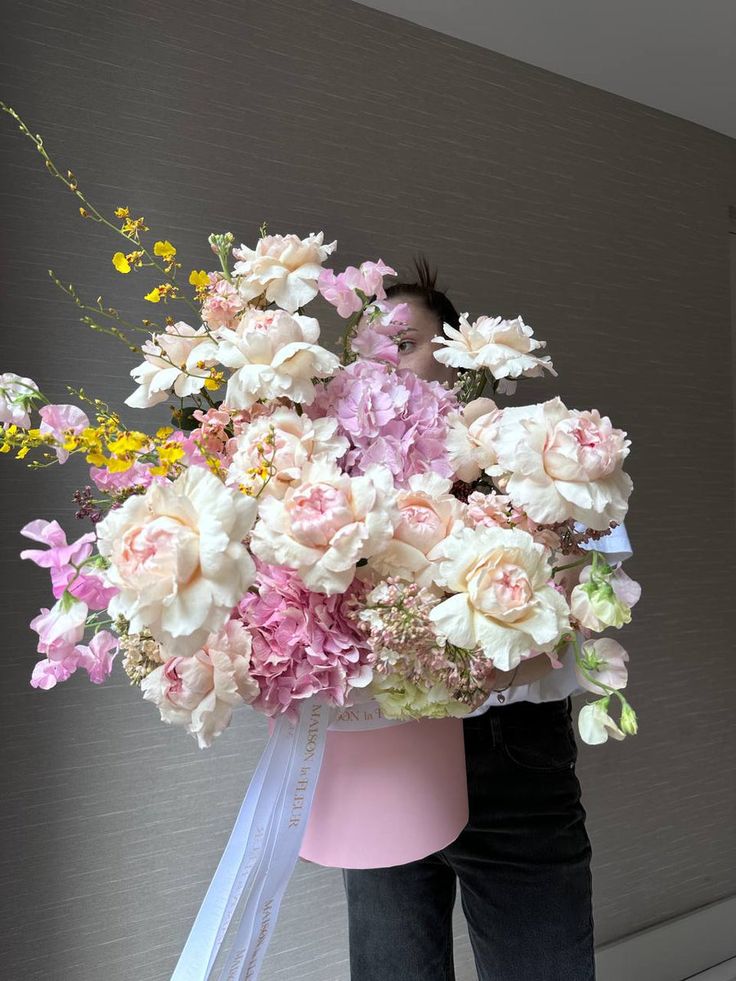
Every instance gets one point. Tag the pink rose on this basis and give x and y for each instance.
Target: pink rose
(427, 512)
(201, 691)
(317, 512)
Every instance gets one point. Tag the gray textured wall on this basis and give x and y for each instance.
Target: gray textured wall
(602, 222)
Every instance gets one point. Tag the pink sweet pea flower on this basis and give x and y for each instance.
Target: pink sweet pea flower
(373, 273)
(47, 673)
(108, 482)
(340, 289)
(376, 340)
(61, 628)
(97, 657)
(57, 419)
(88, 586)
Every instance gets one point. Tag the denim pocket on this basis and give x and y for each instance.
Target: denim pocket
(550, 745)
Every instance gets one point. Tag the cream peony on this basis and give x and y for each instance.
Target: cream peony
(176, 554)
(273, 354)
(201, 691)
(171, 364)
(326, 523)
(470, 438)
(426, 513)
(502, 347)
(285, 267)
(502, 599)
(563, 463)
(296, 440)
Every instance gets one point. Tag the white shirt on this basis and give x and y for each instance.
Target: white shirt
(561, 682)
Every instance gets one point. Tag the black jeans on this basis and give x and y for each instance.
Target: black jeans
(523, 861)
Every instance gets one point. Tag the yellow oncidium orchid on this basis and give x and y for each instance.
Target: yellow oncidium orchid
(199, 279)
(131, 226)
(120, 261)
(170, 452)
(96, 459)
(129, 442)
(165, 249)
(119, 464)
(161, 292)
(214, 380)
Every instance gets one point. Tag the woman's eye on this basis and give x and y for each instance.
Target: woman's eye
(405, 346)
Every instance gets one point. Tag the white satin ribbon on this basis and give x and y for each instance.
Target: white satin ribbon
(264, 845)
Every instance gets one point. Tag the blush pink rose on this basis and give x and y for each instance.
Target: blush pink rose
(200, 692)
(427, 511)
(177, 557)
(564, 464)
(326, 524)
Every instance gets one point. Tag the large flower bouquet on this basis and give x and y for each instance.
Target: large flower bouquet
(315, 532)
(337, 529)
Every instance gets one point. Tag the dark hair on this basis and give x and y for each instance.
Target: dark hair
(423, 288)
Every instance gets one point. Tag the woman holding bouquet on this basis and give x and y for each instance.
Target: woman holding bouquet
(523, 859)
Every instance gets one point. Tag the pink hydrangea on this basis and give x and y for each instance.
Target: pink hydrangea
(304, 643)
(391, 417)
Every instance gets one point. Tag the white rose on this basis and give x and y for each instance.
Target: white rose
(502, 347)
(564, 463)
(273, 354)
(170, 365)
(296, 440)
(470, 438)
(178, 559)
(502, 601)
(284, 266)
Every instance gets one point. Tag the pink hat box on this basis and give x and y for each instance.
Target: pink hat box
(387, 796)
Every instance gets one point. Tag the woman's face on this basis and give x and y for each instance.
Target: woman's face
(416, 350)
